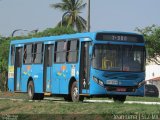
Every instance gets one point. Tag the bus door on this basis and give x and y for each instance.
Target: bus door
(47, 71)
(84, 67)
(17, 69)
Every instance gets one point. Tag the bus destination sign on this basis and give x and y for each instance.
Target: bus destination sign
(119, 37)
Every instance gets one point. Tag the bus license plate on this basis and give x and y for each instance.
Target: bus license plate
(121, 89)
(112, 82)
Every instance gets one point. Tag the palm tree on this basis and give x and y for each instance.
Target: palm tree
(71, 17)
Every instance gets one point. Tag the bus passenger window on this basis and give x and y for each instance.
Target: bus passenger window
(60, 52)
(38, 53)
(27, 57)
(72, 51)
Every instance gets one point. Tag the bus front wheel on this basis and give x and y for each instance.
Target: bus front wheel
(75, 94)
(119, 98)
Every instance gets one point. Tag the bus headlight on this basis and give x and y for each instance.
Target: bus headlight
(101, 83)
(141, 84)
(95, 79)
(98, 81)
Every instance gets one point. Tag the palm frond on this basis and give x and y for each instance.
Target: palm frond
(82, 6)
(81, 24)
(72, 18)
(83, 20)
(60, 6)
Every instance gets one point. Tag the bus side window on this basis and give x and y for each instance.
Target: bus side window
(27, 57)
(72, 51)
(12, 55)
(60, 52)
(38, 53)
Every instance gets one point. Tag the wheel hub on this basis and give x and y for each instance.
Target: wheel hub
(75, 92)
(30, 91)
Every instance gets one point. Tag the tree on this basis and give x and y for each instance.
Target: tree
(152, 37)
(54, 31)
(71, 17)
(4, 49)
(0, 39)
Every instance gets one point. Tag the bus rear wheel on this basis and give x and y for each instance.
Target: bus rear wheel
(119, 98)
(75, 94)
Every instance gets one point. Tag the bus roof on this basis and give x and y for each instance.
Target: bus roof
(91, 35)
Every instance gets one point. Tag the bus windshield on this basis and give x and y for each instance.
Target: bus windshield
(118, 57)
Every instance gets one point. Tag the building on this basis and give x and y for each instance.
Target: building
(153, 75)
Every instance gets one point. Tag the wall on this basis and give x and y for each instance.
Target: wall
(152, 71)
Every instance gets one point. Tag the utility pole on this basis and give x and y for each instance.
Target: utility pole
(88, 16)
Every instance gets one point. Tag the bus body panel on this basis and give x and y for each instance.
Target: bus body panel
(11, 84)
(31, 72)
(55, 82)
(60, 76)
(25, 77)
(127, 79)
(37, 77)
(19, 82)
(96, 90)
(49, 79)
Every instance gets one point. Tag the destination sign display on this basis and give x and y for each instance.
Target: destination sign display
(119, 37)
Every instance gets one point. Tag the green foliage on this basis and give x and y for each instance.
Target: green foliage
(4, 49)
(55, 31)
(71, 17)
(152, 37)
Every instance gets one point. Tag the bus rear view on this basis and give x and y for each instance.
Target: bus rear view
(118, 65)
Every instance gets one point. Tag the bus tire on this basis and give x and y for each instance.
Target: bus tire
(75, 94)
(119, 98)
(31, 93)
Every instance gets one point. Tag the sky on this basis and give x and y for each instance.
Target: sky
(114, 15)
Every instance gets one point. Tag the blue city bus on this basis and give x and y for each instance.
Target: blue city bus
(106, 64)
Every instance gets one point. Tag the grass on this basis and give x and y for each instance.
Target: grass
(145, 99)
(59, 107)
(48, 109)
(26, 107)
(51, 108)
